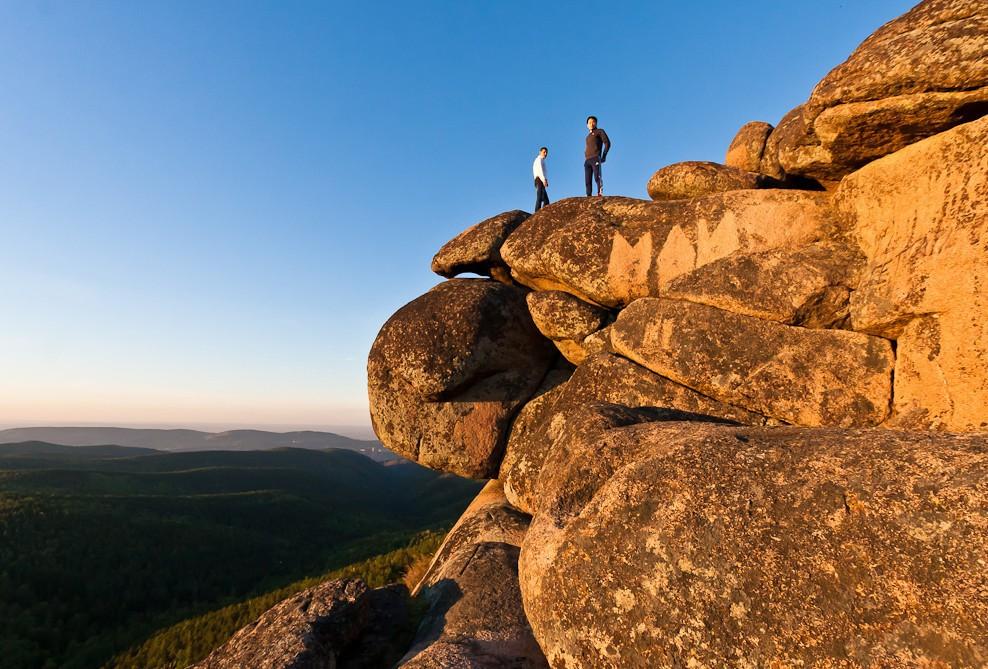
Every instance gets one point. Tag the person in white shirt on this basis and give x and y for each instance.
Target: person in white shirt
(541, 181)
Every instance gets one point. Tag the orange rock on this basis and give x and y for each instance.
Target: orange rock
(476, 250)
(920, 217)
(714, 546)
(916, 76)
(690, 179)
(748, 146)
(449, 370)
(602, 378)
(797, 375)
(612, 250)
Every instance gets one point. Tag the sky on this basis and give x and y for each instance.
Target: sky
(208, 209)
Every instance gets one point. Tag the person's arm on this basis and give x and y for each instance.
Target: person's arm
(607, 145)
(545, 178)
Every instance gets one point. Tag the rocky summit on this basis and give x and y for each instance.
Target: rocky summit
(743, 423)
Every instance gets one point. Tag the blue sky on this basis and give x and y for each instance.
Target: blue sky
(208, 209)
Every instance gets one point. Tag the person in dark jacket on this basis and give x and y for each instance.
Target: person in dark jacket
(598, 144)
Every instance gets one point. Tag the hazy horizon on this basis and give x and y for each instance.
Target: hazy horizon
(364, 432)
(209, 209)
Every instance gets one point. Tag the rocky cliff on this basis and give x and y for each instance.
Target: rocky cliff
(742, 424)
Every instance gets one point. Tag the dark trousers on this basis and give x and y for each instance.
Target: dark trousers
(591, 169)
(541, 199)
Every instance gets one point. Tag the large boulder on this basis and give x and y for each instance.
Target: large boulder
(475, 616)
(613, 250)
(916, 76)
(726, 546)
(489, 518)
(338, 623)
(696, 178)
(808, 286)
(746, 149)
(566, 320)
(477, 250)
(602, 378)
(920, 217)
(798, 375)
(449, 370)
(788, 131)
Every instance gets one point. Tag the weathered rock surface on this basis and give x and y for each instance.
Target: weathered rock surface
(695, 178)
(566, 320)
(489, 518)
(665, 514)
(788, 131)
(920, 217)
(916, 76)
(449, 370)
(612, 250)
(602, 378)
(810, 286)
(748, 146)
(475, 616)
(725, 546)
(797, 375)
(559, 315)
(598, 342)
(477, 250)
(338, 624)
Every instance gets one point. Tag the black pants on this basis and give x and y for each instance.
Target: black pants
(541, 199)
(591, 169)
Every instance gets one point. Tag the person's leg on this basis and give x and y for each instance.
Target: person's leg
(588, 173)
(596, 173)
(540, 196)
(545, 197)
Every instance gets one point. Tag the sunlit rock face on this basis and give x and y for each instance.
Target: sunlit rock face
(450, 369)
(719, 546)
(920, 218)
(919, 75)
(612, 250)
(742, 424)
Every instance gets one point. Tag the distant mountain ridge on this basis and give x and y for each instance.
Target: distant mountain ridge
(44, 449)
(195, 440)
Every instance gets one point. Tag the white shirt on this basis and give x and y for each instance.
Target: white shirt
(538, 169)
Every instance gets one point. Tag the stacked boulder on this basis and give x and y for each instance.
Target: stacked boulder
(742, 424)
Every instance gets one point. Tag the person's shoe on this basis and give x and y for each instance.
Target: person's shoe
(600, 192)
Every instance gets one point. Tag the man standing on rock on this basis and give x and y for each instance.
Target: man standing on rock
(598, 144)
(541, 182)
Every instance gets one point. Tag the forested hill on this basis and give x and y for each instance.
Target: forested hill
(101, 546)
(195, 440)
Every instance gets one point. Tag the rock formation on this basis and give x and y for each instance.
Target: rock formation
(449, 371)
(916, 76)
(476, 250)
(339, 624)
(683, 181)
(739, 425)
(475, 616)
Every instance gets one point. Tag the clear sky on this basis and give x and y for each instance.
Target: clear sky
(207, 209)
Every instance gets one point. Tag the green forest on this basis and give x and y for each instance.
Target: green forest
(191, 640)
(101, 548)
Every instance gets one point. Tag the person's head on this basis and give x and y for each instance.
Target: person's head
(543, 152)
(591, 122)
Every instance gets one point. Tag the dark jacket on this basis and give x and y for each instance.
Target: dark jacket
(598, 144)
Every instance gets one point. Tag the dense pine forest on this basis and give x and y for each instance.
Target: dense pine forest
(102, 547)
(191, 640)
